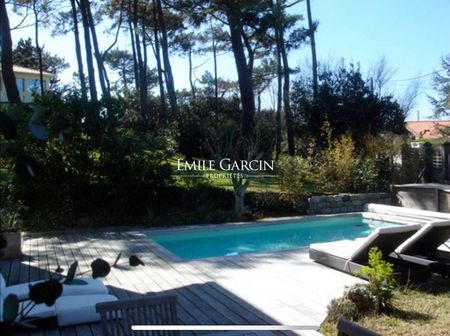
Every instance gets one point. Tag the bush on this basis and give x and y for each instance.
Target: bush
(381, 278)
(11, 214)
(88, 162)
(341, 307)
(336, 165)
(276, 204)
(292, 174)
(363, 299)
(365, 177)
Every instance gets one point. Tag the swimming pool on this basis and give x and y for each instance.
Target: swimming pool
(275, 236)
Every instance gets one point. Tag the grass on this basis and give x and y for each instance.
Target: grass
(420, 312)
(218, 178)
(258, 184)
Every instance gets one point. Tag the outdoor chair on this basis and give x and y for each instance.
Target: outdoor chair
(428, 247)
(350, 255)
(118, 317)
(349, 328)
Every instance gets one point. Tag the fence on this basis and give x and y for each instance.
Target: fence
(426, 163)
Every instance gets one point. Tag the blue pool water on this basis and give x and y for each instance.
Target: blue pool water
(265, 238)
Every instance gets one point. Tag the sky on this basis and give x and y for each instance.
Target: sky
(412, 35)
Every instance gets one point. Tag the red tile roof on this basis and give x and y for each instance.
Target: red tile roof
(432, 129)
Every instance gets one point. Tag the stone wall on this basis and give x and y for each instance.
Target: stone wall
(345, 202)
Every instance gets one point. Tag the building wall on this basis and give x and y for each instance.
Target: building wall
(26, 84)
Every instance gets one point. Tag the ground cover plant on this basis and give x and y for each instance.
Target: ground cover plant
(416, 311)
(382, 306)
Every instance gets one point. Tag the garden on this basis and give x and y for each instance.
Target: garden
(103, 151)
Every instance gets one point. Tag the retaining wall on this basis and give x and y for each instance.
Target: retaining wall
(345, 202)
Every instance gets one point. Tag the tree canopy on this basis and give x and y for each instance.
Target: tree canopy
(346, 102)
(26, 54)
(441, 84)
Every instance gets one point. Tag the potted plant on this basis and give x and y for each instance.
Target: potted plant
(10, 234)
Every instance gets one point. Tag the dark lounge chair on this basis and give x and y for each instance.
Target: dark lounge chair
(427, 247)
(349, 328)
(350, 255)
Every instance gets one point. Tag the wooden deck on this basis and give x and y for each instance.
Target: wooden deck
(271, 288)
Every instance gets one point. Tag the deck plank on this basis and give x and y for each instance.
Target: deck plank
(277, 288)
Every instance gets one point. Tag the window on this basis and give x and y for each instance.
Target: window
(438, 161)
(32, 85)
(19, 82)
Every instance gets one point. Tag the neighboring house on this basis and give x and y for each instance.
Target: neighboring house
(27, 82)
(430, 130)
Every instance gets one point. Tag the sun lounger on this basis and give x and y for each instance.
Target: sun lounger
(349, 328)
(350, 255)
(68, 309)
(81, 286)
(427, 247)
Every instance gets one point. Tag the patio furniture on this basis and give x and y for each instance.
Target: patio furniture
(90, 286)
(68, 309)
(428, 247)
(349, 328)
(118, 317)
(350, 255)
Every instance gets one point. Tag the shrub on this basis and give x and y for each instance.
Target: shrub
(88, 162)
(11, 214)
(360, 295)
(292, 174)
(336, 164)
(341, 307)
(276, 204)
(365, 177)
(381, 278)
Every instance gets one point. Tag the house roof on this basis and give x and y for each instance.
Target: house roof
(28, 71)
(431, 129)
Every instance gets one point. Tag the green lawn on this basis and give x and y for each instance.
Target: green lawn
(257, 184)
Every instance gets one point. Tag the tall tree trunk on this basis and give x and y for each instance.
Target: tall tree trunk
(258, 98)
(286, 85)
(157, 51)
(78, 50)
(137, 41)
(38, 47)
(279, 136)
(313, 49)
(216, 79)
(278, 123)
(250, 53)
(287, 105)
(88, 46)
(244, 75)
(143, 76)
(191, 81)
(97, 53)
(124, 79)
(166, 60)
(9, 78)
(135, 61)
